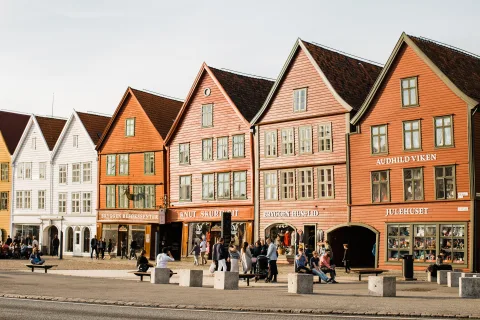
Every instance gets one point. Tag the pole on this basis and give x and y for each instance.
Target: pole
(60, 257)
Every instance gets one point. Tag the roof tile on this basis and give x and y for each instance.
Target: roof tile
(51, 129)
(12, 126)
(94, 124)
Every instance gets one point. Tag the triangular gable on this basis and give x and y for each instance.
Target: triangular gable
(405, 39)
(12, 125)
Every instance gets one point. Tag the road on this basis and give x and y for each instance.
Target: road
(17, 309)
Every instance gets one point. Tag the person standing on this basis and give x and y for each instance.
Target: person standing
(346, 258)
(220, 254)
(203, 251)
(93, 245)
(264, 248)
(133, 247)
(196, 254)
(9, 241)
(110, 248)
(234, 256)
(102, 244)
(246, 258)
(124, 249)
(55, 245)
(272, 261)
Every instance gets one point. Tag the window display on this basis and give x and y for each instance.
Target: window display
(452, 243)
(424, 249)
(398, 241)
(283, 236)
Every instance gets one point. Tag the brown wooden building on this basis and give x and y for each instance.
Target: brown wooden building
(413, 158)
(211, 156)
(301, 190)
(132, 169)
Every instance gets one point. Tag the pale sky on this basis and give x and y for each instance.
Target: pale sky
(89, 52)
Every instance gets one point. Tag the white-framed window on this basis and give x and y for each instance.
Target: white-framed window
(75, 141)
(184, 153)
(412, 137)
(34, 143)
(325, 137)
(409, 92)
(270, 185)
(19, 199)
(41, 199)
(287, 184)
(110, 196)
(305, 139)
(130, 127)
(288, 142)
(28, 170)
(20, 170)
(4, 171)
(305, 183)
(27, 199)
(445, 187)
(122, 196)
(413, 184)
(208, 186)
(87, 172)
(207, 115)
(222, 148)
(123, 164)
(223, 185)
(75, 202)
(62, 202)
(238, 142)
(326, 187)
(207, 149)
(379, 139)
(240, 185)
(111, 164)
(87, 202)
(149, 163)
(76, 173)
(139, 196)
(300, 100)
(150, 197)
(42, 170)
(443, 131)
(185, 188)
(271, 144)
(380, 186)
(62, 174)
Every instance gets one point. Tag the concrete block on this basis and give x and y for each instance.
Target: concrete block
(469, 288)
(470, 275)
(442, 276)
(452, 279)
(190, 278)
(225, 280)
(382, 286)
(160, 276)
(300, 283)
(430, 278)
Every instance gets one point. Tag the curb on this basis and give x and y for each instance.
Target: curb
(238, 309)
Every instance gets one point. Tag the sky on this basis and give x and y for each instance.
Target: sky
(88, 52)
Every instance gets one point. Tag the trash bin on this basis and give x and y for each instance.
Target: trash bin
(407, 267)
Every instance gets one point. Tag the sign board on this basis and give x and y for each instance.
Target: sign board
(161, 216)
(227, 227)
(407, 159)
(462, 194)
(406, 211)
(462, 208)
(290, 213)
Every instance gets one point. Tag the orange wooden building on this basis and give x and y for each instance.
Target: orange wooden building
(301, 190)
(211, 157)
(132, 169)
(413, 157)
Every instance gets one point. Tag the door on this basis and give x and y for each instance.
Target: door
(77, 245)
(310, 239)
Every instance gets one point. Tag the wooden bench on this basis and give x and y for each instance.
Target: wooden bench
(141, 274)
(367, 271)
(40, 266)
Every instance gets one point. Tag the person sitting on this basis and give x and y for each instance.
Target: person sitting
(316, 270)
(35, 257)
(327, 267)
(163, 258)
(142, 262)
(301, 262)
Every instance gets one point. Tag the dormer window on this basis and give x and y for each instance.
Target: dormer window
(300, 100)
(409, 92)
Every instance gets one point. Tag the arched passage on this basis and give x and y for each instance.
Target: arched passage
(281, 234)
(86, 239)
(69, 239)
(362, 242)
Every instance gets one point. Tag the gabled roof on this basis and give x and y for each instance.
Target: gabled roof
(11, 126)
(94, 124)
(244, 93)
(459, 70)
(51, 129)
(160, 110)
(348, 78)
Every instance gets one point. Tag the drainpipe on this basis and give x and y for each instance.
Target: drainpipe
(256, 172)
(473, 194)
(349, 189)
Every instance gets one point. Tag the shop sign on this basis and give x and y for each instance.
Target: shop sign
(406, 159)
(146, 217)
(462, 194)
(407, 211)
(462, 209)
(123, 229)
(206, 214)
(161, 216)
(290, 214)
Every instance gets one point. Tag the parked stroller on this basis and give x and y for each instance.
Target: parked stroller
(261, 271)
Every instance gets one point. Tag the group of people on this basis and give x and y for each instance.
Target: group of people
(18, 247)
(99, 246)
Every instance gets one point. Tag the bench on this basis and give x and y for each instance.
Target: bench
(40, 266)
(142, 274)
(367, 271)
(248, 276)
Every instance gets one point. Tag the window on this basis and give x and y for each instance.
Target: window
(453, 243)
(379, 139)
(149, 197)
(325, 137)
(271, 185)
(305, 183)
(238, 146)
(87, 172)
(130, 127)
(300, 100)
(413, 184)
(380, 186)
(34, 143)
(443, 131)
(27, 199)
(4, 172)
(240, 185)
(305, 136)
(110, 196)
(271, 144)
(111, 162)
(222, 148)
(20, 170)
(42, 170)
(19, 199)
(207, 153)
(75, 141)
(409, 92)
(185, 188)
(445, 182)
(62, 202)
(28, 170)
(208, 192)
(41, 199)
(87, 202)
(424, 244)
(149, 162)
(207, 115)
(184, 153)
(76, 202)
(122, 196)
(62, 174)
(411, 135)
(3, 200)
(398, 241)
(288, 147)
(139, 197)
(325, 183)
(123, 163)
(223, 185)
(287, 182)
(76, 173)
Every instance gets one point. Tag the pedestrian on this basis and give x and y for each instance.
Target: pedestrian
(110, 248)
(163, 259)
(220, 255)
(9, 241)
(246, 257)
(272, 261)
(327, 266)
(196, 253)
(346, 258)
(28, 240)
(133, 247)
(301, 262)
(93, 245)
(104, 245)
(203, 251)
(257, 251)
(124, 249)
(316, 270)
(264, 248)
(234, 256)
(142, 262)
(100, 249)
(55, 245)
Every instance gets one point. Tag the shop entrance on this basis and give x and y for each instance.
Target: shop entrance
(360, 240)
(52, 232)
(171, 236)
(77, 246)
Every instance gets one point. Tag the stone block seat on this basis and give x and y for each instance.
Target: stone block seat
(381, 286)
(225, 280)
(300, 283)
(190, 278)
(469, 288)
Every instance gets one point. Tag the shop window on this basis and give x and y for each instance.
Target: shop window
(305, 183)
(137, 233)
(283, 236)
(207, 149)
(379, 139)
(3, 200)
(111, 163)
(300, 100)
(207, 115)
(62, 202)
(208, 184)
(222, 148)
(87, 202)
(130, 127)
(185, 188)
(197, 232)
(413, 184)
(380, 186)
(271, 185)
(412, 135)
(76, 202)
(287, 180)
(325, 137)
(4, 172)
(288, 142)
(398, 241)
(443, 131)
(409, 92)
(42, 170)
(184, 153)
(326, 185)
(271, 144)
(123, 164)
(87, 172)
(41, 199)
(149, 163)
(240, 185)
(76, 173)
(238, 146)
(111, 231)
(110, 196)
(223, 185)
(123, 193)
(425, 244)
(445, 182)
(305, 137)
(452, 242)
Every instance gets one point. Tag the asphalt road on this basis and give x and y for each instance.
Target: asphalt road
(17, 309)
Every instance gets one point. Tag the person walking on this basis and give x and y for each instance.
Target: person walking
(124, 249)
(346, 258)
(272, 261)
(219, 255)
(104, 245)
(133, 247)
(256, 251)
(196, 254)
(110, 248)
(93, 245)
(203, 251)
(234, 256)
(55, 245)
(246, 256)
